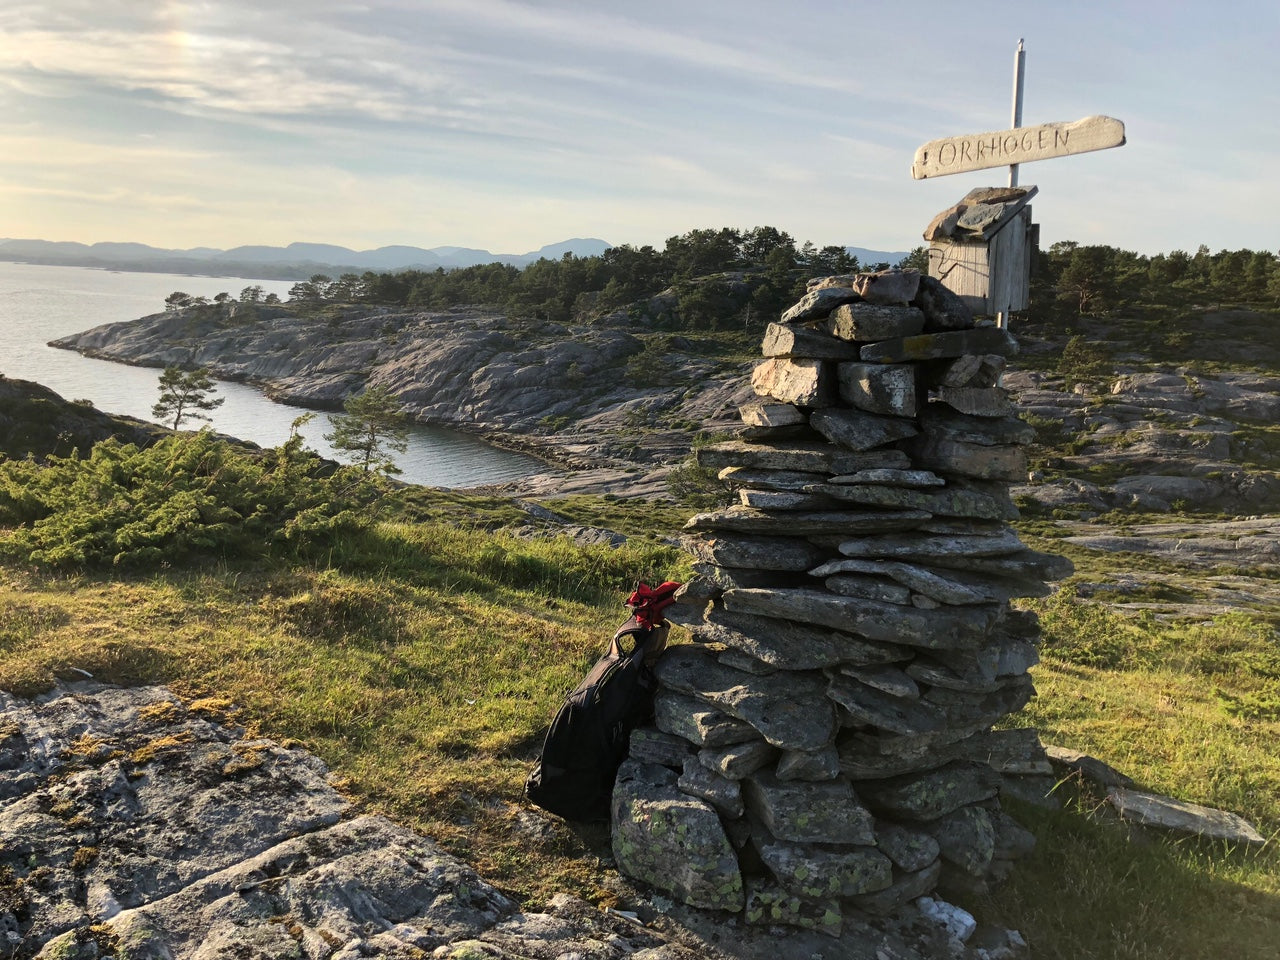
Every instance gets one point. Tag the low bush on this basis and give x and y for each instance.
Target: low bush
(188, 494)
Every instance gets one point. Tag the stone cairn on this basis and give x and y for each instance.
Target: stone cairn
(824, 749)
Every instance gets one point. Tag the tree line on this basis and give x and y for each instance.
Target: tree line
(1098, 279)
(719, 277)
(729, 278)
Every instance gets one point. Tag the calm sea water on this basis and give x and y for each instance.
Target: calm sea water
(40, 303)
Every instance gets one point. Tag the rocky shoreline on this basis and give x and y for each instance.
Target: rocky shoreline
(582, 398)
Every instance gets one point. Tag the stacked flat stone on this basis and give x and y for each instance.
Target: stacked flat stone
(826, 746)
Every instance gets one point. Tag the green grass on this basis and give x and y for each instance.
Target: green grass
(422, 663)
(422, 659)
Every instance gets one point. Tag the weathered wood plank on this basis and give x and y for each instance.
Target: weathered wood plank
(978, 151)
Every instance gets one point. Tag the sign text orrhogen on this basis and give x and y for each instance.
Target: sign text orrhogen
(977, 151)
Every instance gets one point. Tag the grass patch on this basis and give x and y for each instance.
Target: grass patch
(422, 663)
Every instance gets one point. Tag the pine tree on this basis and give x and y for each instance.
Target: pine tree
(184, 395)
(373, 425)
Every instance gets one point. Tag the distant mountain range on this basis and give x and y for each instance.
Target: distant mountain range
(301, 260)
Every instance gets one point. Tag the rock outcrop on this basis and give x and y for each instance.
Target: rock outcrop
(36, 422)
(133, 825)
(832, 723)
(588, 397)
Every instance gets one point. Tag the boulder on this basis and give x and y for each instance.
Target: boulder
(672, 841)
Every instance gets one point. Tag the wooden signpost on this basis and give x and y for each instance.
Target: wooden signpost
(992, 271)
(978, 151)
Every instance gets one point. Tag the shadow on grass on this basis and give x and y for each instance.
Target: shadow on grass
(1103, 889)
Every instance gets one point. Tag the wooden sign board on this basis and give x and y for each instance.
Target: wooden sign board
(978, 151)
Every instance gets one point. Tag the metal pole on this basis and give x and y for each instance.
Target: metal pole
(1019, 69)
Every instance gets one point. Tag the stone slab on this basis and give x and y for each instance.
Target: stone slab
(806, 812)
(802, 456)
(789, 709)
(868, 706)
(748, 521)
(952, 502)
(932, 795)
(808, 764)
(783, 480)
(794, 646)
(934, 549)
(780, 553)
(1181, 816)
(758, 414)
(871, 322)
(696, 721)
(699, 780)
(814, 872)
(784, 340)
(937, 346)
(891, 478)
(858, 430)
(977, 460)
(818, 303)
(886, 388)
(977, 401)
(806, 383)
(954, 628)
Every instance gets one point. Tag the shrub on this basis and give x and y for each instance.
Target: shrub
(185, 495)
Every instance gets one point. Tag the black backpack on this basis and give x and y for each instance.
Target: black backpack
(589, 736)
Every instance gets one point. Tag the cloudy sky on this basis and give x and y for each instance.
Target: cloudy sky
(509, 124)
